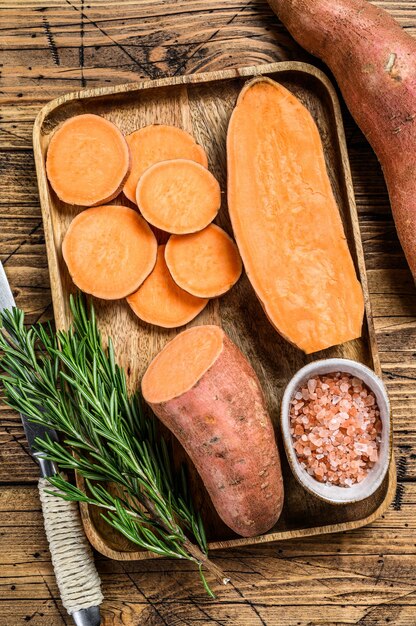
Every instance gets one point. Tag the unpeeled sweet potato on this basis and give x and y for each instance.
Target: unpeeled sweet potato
(374, 63)
(205, 391)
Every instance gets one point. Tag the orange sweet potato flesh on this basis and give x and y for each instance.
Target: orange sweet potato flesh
(155, 143)
(178, 196)
(88, 160)
(205, 264)
(286, 221)
(374, 63)
(205, 391)
(109, 251)
(160, 301)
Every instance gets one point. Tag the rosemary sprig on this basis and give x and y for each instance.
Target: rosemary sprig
(69, 382)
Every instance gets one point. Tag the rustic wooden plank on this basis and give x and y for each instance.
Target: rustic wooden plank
(16, 465)
(229, 614)
(267, 579)
(370, 570)
(368, 575)
(18, 180)
(68, 46)
(276, 583)
(398, 523)
(321, 573)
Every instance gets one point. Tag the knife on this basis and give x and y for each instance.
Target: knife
(72, 559)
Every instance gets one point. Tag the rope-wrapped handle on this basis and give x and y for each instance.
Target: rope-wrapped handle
(72, 559)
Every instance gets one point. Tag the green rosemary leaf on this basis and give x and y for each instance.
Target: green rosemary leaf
(68, 381)
(204, 582)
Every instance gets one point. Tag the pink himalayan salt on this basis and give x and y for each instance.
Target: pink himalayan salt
(336, 428)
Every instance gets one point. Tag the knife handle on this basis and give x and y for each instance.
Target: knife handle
(72, 559)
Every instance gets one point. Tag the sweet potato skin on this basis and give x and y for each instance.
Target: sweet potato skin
(374, 62)
(223, 424)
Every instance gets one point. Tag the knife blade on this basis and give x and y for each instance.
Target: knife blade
(71, 554)
(32, 430)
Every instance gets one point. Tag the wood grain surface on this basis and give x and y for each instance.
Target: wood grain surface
(364, 577)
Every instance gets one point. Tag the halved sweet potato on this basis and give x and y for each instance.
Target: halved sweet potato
(205, 391)
(286, 221)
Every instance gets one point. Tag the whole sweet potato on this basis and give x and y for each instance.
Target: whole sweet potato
(374, 63)
(205, 391)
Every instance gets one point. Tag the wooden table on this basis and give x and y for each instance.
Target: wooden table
(365, 577)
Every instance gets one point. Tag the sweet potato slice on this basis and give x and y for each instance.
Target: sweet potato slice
(109, 251)
(204, 390)
(178, 196)
(286, 221)
(205, 264)
(155, 143)
(160, 301)
(88, 160)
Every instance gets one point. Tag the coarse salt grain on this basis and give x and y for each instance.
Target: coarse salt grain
(336, 428)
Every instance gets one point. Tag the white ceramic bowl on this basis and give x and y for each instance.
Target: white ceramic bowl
(333, 493)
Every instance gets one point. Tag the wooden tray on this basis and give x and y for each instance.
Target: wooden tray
(202, 104)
